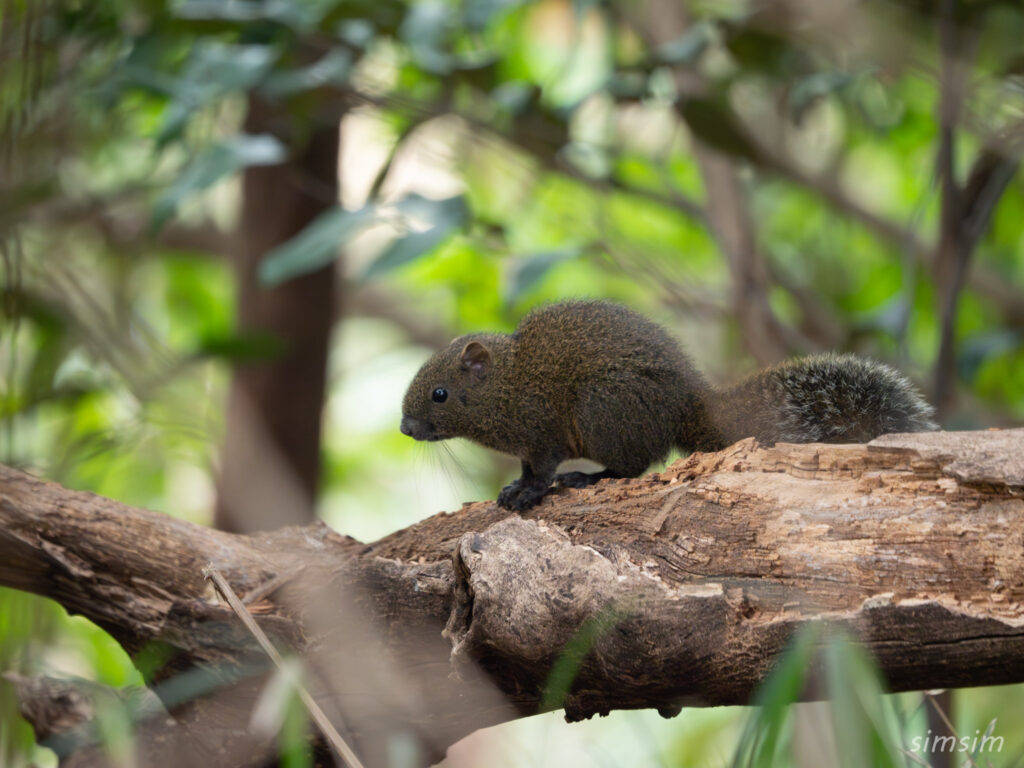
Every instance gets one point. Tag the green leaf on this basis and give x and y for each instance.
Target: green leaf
(315, 246)
(624, 84)
(580, 7)
(567, 666)
(810, 89)
(531, 269)
(446, 215)
(212, 71)
(426, 29)
(406, 249)
(51, 348)
(241, 348)
(881, 107)
(890, 318)
(515, 96)
(688, 47)
(477, 14)
(987, 735)
(590, 159)
(977, 349)
(715, 125)
(332, 69)
(302, 16)
(358, 33)
(213, 164)
(223, 67)
(318, 243)
(417, 206)
(782, 687)
(863, 718)
(760, 50)
(145, 67)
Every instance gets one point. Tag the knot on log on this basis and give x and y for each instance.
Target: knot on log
(529, 598)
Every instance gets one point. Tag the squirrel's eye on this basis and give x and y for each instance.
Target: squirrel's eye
(440, 395)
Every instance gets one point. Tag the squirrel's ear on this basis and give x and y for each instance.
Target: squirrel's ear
(475, 358)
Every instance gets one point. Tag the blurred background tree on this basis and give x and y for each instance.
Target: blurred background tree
(230, 231)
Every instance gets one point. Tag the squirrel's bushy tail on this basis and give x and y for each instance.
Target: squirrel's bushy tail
(829, 398)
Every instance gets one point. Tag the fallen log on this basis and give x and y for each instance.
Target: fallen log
(686, 585)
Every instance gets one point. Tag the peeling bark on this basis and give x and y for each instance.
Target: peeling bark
(691, 580)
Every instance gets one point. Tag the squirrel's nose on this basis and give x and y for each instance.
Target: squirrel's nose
(417, 429)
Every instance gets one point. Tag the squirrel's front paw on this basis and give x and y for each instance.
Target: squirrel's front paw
(509, 494)
(518, 496)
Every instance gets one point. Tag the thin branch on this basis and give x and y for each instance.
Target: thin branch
(818, 323)
(951, 256)
(944, 718)
(322, 721)
(988, 179)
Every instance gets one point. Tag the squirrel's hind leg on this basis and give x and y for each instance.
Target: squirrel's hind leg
(624, 426)
(584, 479)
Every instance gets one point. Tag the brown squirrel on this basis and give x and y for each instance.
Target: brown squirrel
(595, 380)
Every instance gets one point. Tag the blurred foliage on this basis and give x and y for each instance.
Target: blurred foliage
(862, 726)
(496, 154)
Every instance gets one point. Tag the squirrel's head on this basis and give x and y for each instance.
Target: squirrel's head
(440, 401)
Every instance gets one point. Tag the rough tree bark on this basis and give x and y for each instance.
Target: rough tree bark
(695, 579)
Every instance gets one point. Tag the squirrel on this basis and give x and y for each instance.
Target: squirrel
(596, 380)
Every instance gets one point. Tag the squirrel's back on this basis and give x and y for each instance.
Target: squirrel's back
(583, 337)
(617, 383)
(829, 398)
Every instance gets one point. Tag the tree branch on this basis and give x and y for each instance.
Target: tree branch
(690, 582)
(949, 265)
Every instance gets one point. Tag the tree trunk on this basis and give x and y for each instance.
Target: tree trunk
(270, 466)
(688, 583)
